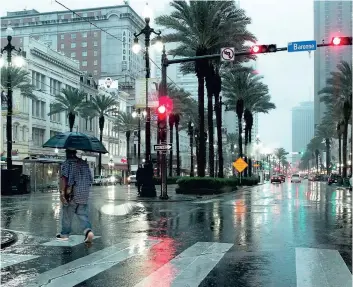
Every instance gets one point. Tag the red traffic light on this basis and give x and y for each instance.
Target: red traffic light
(162, 109)
(264, 49)
(341, 41)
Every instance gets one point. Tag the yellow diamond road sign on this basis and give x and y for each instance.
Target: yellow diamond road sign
(240, 164)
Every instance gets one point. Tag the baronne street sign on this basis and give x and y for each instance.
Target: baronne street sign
(302, 46)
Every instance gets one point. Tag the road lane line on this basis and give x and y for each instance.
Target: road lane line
(8, 259)
(188, 268)
(321, 268)
(82, 269)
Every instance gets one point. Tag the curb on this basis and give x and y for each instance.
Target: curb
(9, 241)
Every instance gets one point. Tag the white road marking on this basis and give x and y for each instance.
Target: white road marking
(73, 241)
(206, 201)
(188, 268)
(79, 270)
(8, 259)
(321, 268)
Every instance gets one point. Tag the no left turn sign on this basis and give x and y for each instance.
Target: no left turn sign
(227, 54)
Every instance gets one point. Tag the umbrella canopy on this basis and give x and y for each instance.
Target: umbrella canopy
(77, 141)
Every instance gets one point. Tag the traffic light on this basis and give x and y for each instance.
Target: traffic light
(341, 41)
(258, 49)
(162, 121)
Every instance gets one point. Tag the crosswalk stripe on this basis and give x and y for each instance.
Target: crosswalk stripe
(79, 270)
(188, 268)
(8, 259)
(73, 241)
(321, 267)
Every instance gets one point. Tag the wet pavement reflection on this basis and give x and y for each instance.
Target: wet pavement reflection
(261, 236)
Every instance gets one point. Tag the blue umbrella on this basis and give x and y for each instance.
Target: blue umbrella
(77, 141)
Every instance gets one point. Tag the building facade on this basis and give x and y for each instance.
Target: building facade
(331, 18)
(302, 127)
(50, 71)
(80, 36)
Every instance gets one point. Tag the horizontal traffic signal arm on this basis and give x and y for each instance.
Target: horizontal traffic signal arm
(335, 41)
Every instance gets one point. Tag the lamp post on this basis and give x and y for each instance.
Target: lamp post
(111, 164)
(147, 31)
(139, 115)
(8, 49)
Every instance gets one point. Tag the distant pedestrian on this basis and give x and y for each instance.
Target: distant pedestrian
(75, 184)
(139, 178)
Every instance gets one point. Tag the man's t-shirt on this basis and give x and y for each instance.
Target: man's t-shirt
(78, 174)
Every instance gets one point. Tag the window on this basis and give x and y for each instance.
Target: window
(95, 72)
(84, 63)
(95, 34)
(84, 15)
(38, 109)
(84, 53)
(55, 117)
(73, 54)
(95, 62)
(84, 35)
(73, 36)
(84, 44)
(73, 45)
(62, 46)
(24, 133)
(38, 136)
(90, 120)
(15, 131)
(62, 36)
(95, 53)
(55, 87)
(95, 43)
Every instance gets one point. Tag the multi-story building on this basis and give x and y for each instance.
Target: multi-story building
(50, 71)
(302, 127)
(80, 35)
(331, 18)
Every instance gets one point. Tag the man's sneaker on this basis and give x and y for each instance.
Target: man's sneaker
(89, 236)
(61, 237)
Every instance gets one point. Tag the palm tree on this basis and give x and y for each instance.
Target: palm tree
(126, 123)
(305, 161)
(200, 28)
(339, 135)
(71, 101)
(280, 153)
(325, 131)
(315, 146)
(338, 91)
(20, 79)
(171, 121)
(100, 106)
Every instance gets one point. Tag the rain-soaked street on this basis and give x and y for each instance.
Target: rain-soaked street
(270, 235)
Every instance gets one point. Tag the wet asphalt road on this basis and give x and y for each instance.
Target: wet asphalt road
(270, 235)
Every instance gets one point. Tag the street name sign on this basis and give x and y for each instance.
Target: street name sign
(162, 147)
(227, 54)
(302, 46)
(240, 164)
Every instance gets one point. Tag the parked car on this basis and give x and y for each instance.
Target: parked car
(334, 178)
(295, 178)
(100, 180)
(282, 177)
(132, 177)
(276, 178)
(115, 179)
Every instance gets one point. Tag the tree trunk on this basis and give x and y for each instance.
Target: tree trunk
(202, 142)
(246, 171)
(177, 147)
(101, 127)
(127, 134)
(209, 82)
(218, 106)
(171, 150)
(240, 140)
(250, 159)
(340, 154)
(71, 121)
(344, 149)
(328, 156)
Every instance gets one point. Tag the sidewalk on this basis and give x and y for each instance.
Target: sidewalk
(7, 238)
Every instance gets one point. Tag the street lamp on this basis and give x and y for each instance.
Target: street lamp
(17, 62)
(147, 31)
(138, 115)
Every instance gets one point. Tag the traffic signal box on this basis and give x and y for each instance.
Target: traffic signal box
(258, 49)
(341, 41)
(165, 107)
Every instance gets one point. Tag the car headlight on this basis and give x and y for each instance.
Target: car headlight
(128, 178)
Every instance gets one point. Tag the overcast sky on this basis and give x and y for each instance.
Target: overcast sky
(289, 75)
